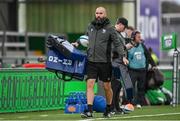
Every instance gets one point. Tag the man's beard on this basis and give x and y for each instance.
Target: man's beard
(100, 21)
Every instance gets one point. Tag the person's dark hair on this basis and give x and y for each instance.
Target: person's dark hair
(134, 33)
(130, 28)
(123, 21)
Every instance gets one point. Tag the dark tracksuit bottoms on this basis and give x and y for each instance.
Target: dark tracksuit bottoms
(121, 73)
(138, 77)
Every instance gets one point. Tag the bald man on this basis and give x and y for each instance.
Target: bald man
(101, 36)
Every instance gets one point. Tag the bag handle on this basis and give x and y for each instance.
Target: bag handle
(63, 77)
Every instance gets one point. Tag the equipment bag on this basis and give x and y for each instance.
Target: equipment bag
(65, 68)
(155, 79)
(156, 97)
(64, 59)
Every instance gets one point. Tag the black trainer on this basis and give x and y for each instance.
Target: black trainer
(107, 114)
(118, 112)
(86, 114)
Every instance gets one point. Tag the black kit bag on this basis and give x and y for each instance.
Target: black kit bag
(155, 78)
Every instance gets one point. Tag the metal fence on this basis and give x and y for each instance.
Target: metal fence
(16, 46)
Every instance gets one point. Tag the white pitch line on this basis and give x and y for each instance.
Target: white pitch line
(136, 116)
(44, 115)
(139, 116)
(153, 115)
(87, 120)
(66, 114)
(22, 117)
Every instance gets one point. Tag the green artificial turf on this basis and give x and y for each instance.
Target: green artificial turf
(146, 113)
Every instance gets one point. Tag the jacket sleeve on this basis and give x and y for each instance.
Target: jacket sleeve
(148, 56)
(118, 44)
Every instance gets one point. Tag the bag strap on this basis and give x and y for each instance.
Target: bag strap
(63, 77)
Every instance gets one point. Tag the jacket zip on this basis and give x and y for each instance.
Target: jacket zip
(95, 45)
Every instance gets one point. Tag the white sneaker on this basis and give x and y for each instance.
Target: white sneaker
(138, 106)
(112, 112)
(122, 106)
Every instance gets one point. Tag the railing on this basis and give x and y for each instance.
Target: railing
(5, 34)
(23, 54)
